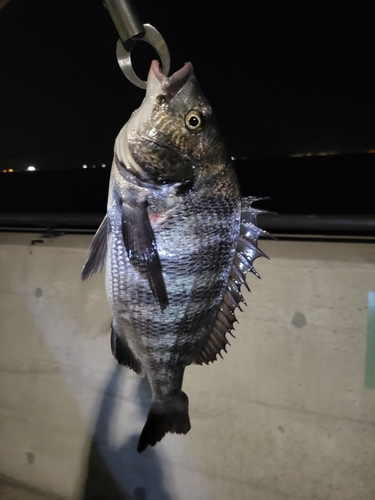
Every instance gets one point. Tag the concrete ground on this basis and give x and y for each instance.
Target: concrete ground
(289, 414)
(11, 491)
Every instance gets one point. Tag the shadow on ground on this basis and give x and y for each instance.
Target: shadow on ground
(122, 473)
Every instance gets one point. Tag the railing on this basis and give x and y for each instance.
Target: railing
(281, 225)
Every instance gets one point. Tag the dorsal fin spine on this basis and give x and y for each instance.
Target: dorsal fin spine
(247, 251)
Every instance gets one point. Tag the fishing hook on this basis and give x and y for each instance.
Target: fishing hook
(130, 30)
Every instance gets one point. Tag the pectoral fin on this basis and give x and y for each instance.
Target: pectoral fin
(140, 244)
(97, 251)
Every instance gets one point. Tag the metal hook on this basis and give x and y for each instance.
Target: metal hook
(154, 38)
(131, 29)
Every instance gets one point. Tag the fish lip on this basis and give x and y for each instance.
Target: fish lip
(171, 85)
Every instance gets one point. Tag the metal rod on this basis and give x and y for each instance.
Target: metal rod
(319, 223)
(126, 20)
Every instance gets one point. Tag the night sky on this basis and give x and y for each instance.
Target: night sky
(283, 77)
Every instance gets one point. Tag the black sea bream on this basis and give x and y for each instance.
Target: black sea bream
(177, 242)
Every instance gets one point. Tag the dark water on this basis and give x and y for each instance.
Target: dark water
(340, 184)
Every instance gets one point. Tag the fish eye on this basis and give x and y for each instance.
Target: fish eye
(194, 121)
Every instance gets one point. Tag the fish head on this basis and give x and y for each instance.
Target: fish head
(173, 132)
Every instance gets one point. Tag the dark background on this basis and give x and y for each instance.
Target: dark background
(292, 84)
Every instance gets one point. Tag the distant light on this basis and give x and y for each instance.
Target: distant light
(5, 170)
(10, 169)
(84, 166)
(31, 168)
(233, 158)
(103, 165)
(319, 153)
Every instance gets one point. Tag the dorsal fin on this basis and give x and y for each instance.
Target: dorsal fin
(247, 251)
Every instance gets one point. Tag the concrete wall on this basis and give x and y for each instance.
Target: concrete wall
(285, 415)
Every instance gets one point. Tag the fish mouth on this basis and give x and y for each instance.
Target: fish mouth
(170, 85)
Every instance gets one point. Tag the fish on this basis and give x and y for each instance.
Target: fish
(177, 242)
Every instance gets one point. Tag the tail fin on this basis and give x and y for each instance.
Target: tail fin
(165, 416)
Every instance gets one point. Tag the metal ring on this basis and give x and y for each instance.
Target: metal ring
(154, 38)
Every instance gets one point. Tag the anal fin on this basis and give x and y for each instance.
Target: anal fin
(123, 354)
